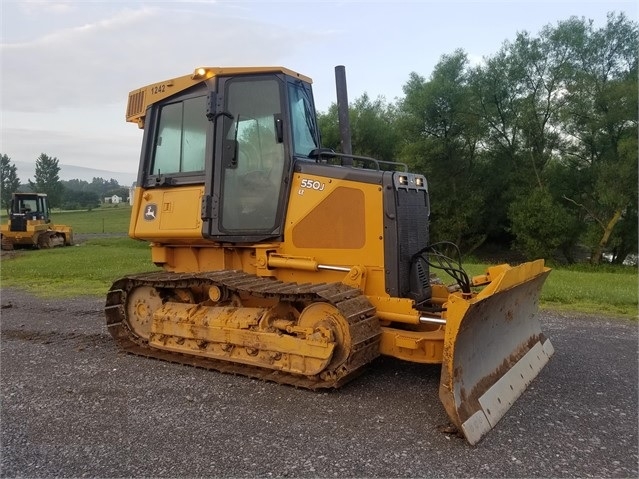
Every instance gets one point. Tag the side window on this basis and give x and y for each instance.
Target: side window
(303, 120)
(181, 140)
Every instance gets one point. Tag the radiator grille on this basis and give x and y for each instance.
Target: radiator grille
(412, 233)
(18, 223)
(136, 104)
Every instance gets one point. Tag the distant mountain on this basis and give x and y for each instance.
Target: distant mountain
(26, 171)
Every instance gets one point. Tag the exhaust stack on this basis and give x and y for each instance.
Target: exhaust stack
(342, 114)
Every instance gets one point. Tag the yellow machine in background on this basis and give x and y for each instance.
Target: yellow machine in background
(30, 225)
(285, 261)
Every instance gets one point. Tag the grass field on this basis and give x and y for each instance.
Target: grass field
(114, 219)
(86, 269)
(108, 219)
(90, 267)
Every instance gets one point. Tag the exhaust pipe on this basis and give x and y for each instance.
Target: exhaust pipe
(342, 114)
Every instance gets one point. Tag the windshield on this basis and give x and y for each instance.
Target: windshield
(25, 205)
(31, 205)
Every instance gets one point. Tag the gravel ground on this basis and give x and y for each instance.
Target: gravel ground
(73, 406)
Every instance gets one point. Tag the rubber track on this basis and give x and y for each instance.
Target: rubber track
(354, 306)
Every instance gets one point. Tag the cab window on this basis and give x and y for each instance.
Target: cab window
(302, 119)
(180, 143)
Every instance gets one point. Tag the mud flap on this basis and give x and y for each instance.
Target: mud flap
(493, 349)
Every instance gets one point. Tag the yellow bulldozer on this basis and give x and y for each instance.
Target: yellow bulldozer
(29, 224)
(289, 262)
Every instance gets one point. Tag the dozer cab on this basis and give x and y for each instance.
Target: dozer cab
(288, 262)
(29, 224)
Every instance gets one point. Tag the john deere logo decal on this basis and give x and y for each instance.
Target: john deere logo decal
(151, 210)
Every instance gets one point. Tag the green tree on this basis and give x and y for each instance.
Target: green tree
(373, 128)
(520, 91)
(541, 225)
(76, 185)
(518, 98)
(328, 125)
(103, 187)
(600, 118)
(551, 117)
(9, 180)
(76, 199)
(441, 138)
(47, 179)
(563, 104)
(496, 108)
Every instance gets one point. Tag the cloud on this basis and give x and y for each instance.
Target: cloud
(72, 66)
(75, 148)
(39, 6)
(100, 61)
(65, 85)
(88, 31)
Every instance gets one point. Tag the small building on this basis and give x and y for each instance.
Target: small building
(114, 200)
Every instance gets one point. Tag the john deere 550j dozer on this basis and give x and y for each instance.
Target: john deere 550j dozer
(288, 262)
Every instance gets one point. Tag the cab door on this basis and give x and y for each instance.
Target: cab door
(252, 161)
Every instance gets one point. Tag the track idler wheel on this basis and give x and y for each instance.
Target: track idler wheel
(326, 319)
(141, 303)
(44, 241)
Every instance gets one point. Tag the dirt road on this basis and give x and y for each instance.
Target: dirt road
(73, 406)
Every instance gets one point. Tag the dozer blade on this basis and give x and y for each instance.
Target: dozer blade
(493, 349)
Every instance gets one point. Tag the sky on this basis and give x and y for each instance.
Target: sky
(66, 67)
